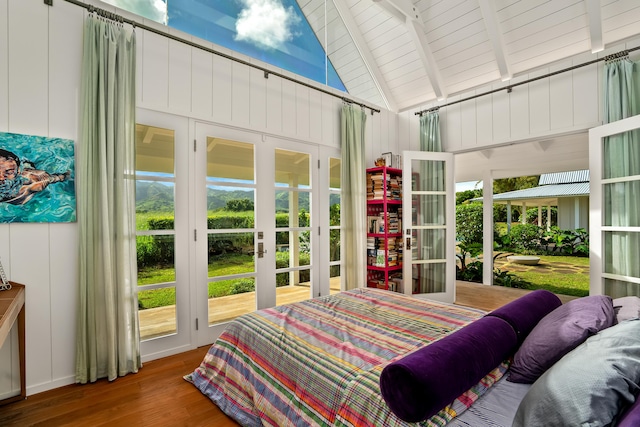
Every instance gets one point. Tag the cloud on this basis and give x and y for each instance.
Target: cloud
(155, 10)
(266, 23)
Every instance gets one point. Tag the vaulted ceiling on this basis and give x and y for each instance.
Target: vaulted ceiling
(403, 54)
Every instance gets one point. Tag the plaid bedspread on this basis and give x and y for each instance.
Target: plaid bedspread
(318, 362)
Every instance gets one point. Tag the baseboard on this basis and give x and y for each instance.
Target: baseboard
(42, 387)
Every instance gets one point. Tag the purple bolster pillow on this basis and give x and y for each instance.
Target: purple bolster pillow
(421, 383)
(524, 313)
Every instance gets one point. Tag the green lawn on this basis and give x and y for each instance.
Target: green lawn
(232, 264)
(556, 281)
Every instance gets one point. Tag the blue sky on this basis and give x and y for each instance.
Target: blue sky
(273, 31)
(469, 185)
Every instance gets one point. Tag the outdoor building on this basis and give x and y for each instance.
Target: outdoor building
(566, 191)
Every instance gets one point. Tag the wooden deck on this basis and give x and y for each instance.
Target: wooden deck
(156, 322)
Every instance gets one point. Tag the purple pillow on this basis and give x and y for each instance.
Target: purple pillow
(421, 383)
(558, 333)
(631, 416)
(524, 313)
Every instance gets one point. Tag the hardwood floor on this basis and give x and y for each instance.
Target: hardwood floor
(155, 396)
(158, 396)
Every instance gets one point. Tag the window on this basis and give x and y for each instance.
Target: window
(273, 31)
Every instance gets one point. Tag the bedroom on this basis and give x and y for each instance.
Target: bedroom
(40, 93)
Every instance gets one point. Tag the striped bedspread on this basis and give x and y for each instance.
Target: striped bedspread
(318, 362)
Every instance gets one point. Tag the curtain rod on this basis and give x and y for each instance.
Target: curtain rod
(509, 88)
(120, 19)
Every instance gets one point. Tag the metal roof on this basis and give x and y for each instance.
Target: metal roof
(546, 191)
(545, 195)
(564, 177)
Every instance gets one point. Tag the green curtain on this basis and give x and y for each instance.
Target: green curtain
(353, 203)
(430, 132)
(621, 159)
(431, 242)
(108, 337)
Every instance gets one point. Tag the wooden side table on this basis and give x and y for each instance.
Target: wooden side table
(12, 309)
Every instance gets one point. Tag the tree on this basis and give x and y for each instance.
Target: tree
(239, 205)
(519, 183)
(463, 196)
(469, 223)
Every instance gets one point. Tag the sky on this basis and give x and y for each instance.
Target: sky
(273, 31)
(469, 185)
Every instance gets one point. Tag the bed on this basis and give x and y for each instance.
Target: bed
(370, 357)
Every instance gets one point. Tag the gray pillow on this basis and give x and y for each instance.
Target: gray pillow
(558, 333)
(590, 385)
(627, 308)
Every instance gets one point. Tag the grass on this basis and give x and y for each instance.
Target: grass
(557, 282)
(227, 264)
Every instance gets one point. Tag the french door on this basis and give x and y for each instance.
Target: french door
(256, 222)
(614, 218)
(228, 222)
(428, 220)
(162, 224)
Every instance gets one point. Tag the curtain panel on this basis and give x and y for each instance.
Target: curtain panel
(354, 197)
(108, 338)
(621, 159)
(432, 178)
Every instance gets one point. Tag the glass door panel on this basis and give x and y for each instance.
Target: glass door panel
(155, 216)
(293, 226)
(335, 186)
(615, 196)
(161, 233)
(614, 154)
(230, 204)
(428, 209)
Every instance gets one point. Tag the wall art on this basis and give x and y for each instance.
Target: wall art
(37, 179)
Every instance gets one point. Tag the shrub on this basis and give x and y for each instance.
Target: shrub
(472, 272)
(469, 223)
(241, 286)
(525, 238)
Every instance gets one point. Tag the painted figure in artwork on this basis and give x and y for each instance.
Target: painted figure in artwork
(20, 180)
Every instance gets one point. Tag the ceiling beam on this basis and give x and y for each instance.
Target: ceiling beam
(595, 25)
(365, 54)
(487, 8)
(415, 26)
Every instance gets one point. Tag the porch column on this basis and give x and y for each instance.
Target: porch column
(487, 229)
(539, 215)
(576, 212)
(549, 218)
(523, 217)
(508, 216)
(294, 236)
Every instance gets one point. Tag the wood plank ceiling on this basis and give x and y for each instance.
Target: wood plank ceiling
(403, 54)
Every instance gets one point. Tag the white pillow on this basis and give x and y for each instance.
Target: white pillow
(626, 308)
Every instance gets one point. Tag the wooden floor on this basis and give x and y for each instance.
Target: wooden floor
(158, 396)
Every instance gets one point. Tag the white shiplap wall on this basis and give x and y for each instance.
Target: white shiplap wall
(564, 104)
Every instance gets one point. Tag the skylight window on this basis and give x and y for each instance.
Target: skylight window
(273, 31)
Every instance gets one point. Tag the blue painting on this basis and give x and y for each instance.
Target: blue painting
(37, 179)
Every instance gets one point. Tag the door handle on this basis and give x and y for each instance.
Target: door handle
(261, 250)
(408, 245)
